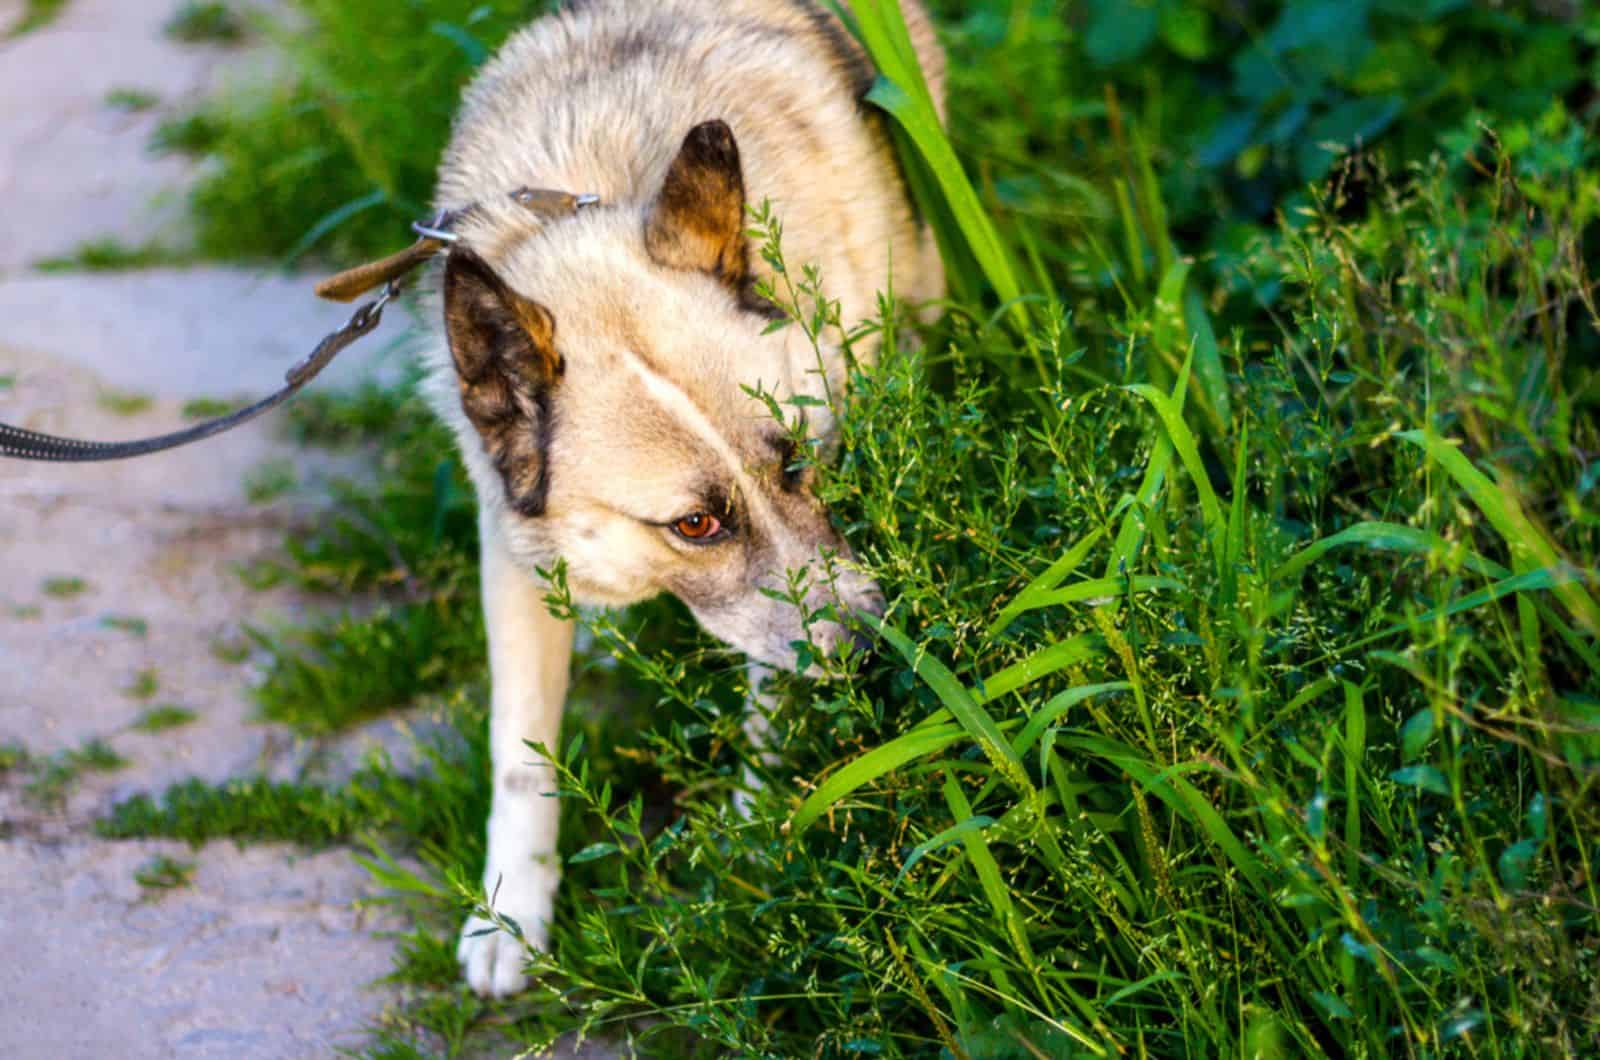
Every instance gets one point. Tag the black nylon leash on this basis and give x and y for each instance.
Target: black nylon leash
(434, 236)
(23, 444)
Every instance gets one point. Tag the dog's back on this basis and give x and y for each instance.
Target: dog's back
(597, 99)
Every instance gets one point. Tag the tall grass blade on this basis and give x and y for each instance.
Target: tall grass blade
(1183, 441)
(1529, 547)
(1052, 576)
(1041, 664)
(875, 764)
(961, 703)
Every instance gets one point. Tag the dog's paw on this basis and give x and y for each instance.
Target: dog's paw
(493, 959)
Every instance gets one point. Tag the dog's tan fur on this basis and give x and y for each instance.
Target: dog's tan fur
(595, 366)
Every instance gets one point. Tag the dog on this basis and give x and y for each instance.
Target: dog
(596, 364)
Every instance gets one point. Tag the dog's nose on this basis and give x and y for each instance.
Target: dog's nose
(864, 644)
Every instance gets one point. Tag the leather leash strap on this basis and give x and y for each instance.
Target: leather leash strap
(21, 444)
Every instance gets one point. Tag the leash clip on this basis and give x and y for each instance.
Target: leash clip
(436, 229)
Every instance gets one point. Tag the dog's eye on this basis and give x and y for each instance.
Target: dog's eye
(701, 526)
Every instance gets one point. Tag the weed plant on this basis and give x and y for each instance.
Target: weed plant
(1239, 692)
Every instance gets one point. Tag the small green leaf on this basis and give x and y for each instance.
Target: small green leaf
(1120, 32)
(1187, 30)
(1437, 958)
(1335, 1008)
(1425, 778)
(1415, 734)
(1515, 862)
(593, 852)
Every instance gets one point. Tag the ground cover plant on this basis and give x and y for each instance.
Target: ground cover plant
(1240, 689)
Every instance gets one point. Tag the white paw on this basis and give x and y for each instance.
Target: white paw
(494, 959)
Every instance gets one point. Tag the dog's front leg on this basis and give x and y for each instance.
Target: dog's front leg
(758, 710)
(530, 653)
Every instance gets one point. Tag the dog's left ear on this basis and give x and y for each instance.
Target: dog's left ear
(507, 367)
(697, 222)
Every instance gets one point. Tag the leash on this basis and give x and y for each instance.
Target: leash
(434, 237)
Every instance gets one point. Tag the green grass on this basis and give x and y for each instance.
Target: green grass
(132, 100)
(1239, 692)
(233, 652)
(206, 22)
(269, 481)
(146, 683)
(112, 255)
(163, 873)
(36, 14)
(438, 808)
(64, 587)
(124, 403)
(191, 134)
(344, 419)
(129, 624)
(51, 780)
(208, 408)
(163, 718)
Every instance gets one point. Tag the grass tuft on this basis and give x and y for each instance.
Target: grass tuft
(165, 717)
(163, 873)
(112, 255)
(206, 22)
(51, 780)
(146, 683)
(132, 100)
(65, 587)
(269, 481)
(208, 408)
(124, 403)
(129, 624)
(36, 14)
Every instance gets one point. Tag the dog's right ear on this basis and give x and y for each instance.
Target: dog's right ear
(697, 221)
(506, 363)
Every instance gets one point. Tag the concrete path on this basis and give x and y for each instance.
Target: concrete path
(113, 576)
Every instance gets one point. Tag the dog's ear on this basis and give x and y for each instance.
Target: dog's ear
(506, 363)
(697, 222)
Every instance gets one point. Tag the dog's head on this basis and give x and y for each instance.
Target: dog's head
(606, 366)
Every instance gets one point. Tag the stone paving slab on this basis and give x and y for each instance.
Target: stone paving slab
(199, 332)
(156, 540)
(75, 168)
(265, 954)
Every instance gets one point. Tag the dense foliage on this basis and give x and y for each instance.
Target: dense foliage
(1240, 689)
